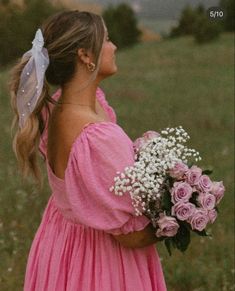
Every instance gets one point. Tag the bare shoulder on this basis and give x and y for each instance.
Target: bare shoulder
(64, 127)
(70, 123)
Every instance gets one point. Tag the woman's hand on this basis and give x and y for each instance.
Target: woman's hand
(139, 239)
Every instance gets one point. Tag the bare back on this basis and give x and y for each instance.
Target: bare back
(65, 125)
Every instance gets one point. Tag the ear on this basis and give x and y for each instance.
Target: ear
(84, 55)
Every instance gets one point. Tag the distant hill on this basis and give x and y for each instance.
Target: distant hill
(154, 9)
(156, 16)
(161, 9)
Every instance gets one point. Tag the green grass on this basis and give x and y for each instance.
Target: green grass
(159, 84)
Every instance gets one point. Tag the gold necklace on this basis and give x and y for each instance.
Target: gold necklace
(73, 104)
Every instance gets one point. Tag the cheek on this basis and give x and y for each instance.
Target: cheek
(107, 62)
(106, 56)
(103, 58)
(104, 61)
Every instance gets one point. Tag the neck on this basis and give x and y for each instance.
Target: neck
(73, 95)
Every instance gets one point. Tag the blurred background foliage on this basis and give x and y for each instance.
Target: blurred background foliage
(229, 20)
(195, 21)
(18, 24)
(161, 82)
(122, 25)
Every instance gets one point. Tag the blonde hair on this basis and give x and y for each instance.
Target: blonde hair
(64, 33)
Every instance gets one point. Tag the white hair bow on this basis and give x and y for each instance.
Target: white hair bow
(32, 78)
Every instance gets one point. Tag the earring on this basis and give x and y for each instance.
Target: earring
(91, 67)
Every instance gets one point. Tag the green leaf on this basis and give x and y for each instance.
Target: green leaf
(182, 238)
(168, 245)
(166, 201)
(190, 164)
(173, 243)
(207, 172)
(193, 199)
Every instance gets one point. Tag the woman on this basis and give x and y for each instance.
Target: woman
(89, 238)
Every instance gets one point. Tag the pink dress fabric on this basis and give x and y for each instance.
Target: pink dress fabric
(74, 248)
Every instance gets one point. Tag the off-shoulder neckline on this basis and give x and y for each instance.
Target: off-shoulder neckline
(77, 139)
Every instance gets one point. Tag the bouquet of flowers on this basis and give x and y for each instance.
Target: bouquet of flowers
(176, 195)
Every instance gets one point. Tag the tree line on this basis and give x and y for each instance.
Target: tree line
(19, 23)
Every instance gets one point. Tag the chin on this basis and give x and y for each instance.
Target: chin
(114, 70)
(108, 73)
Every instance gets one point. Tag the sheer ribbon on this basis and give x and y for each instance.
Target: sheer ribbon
(32, 78)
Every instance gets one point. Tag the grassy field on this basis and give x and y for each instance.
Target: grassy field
(159, 84)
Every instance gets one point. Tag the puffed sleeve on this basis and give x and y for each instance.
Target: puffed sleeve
(97, 154)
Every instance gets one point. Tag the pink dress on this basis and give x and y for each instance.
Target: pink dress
(73, 248)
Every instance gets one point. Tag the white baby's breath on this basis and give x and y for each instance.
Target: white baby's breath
(144, 180)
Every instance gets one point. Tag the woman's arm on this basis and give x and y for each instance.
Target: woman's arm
(138, 239)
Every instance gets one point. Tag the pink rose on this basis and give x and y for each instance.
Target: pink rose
(212, 215)
(218, 190)
(193, 175)
(138, 143)
(199, 219)
(178, 170)
(150, 135)
(181, 191)
(183, 210)
(204, 184)
(206, 200)
(168, 226)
